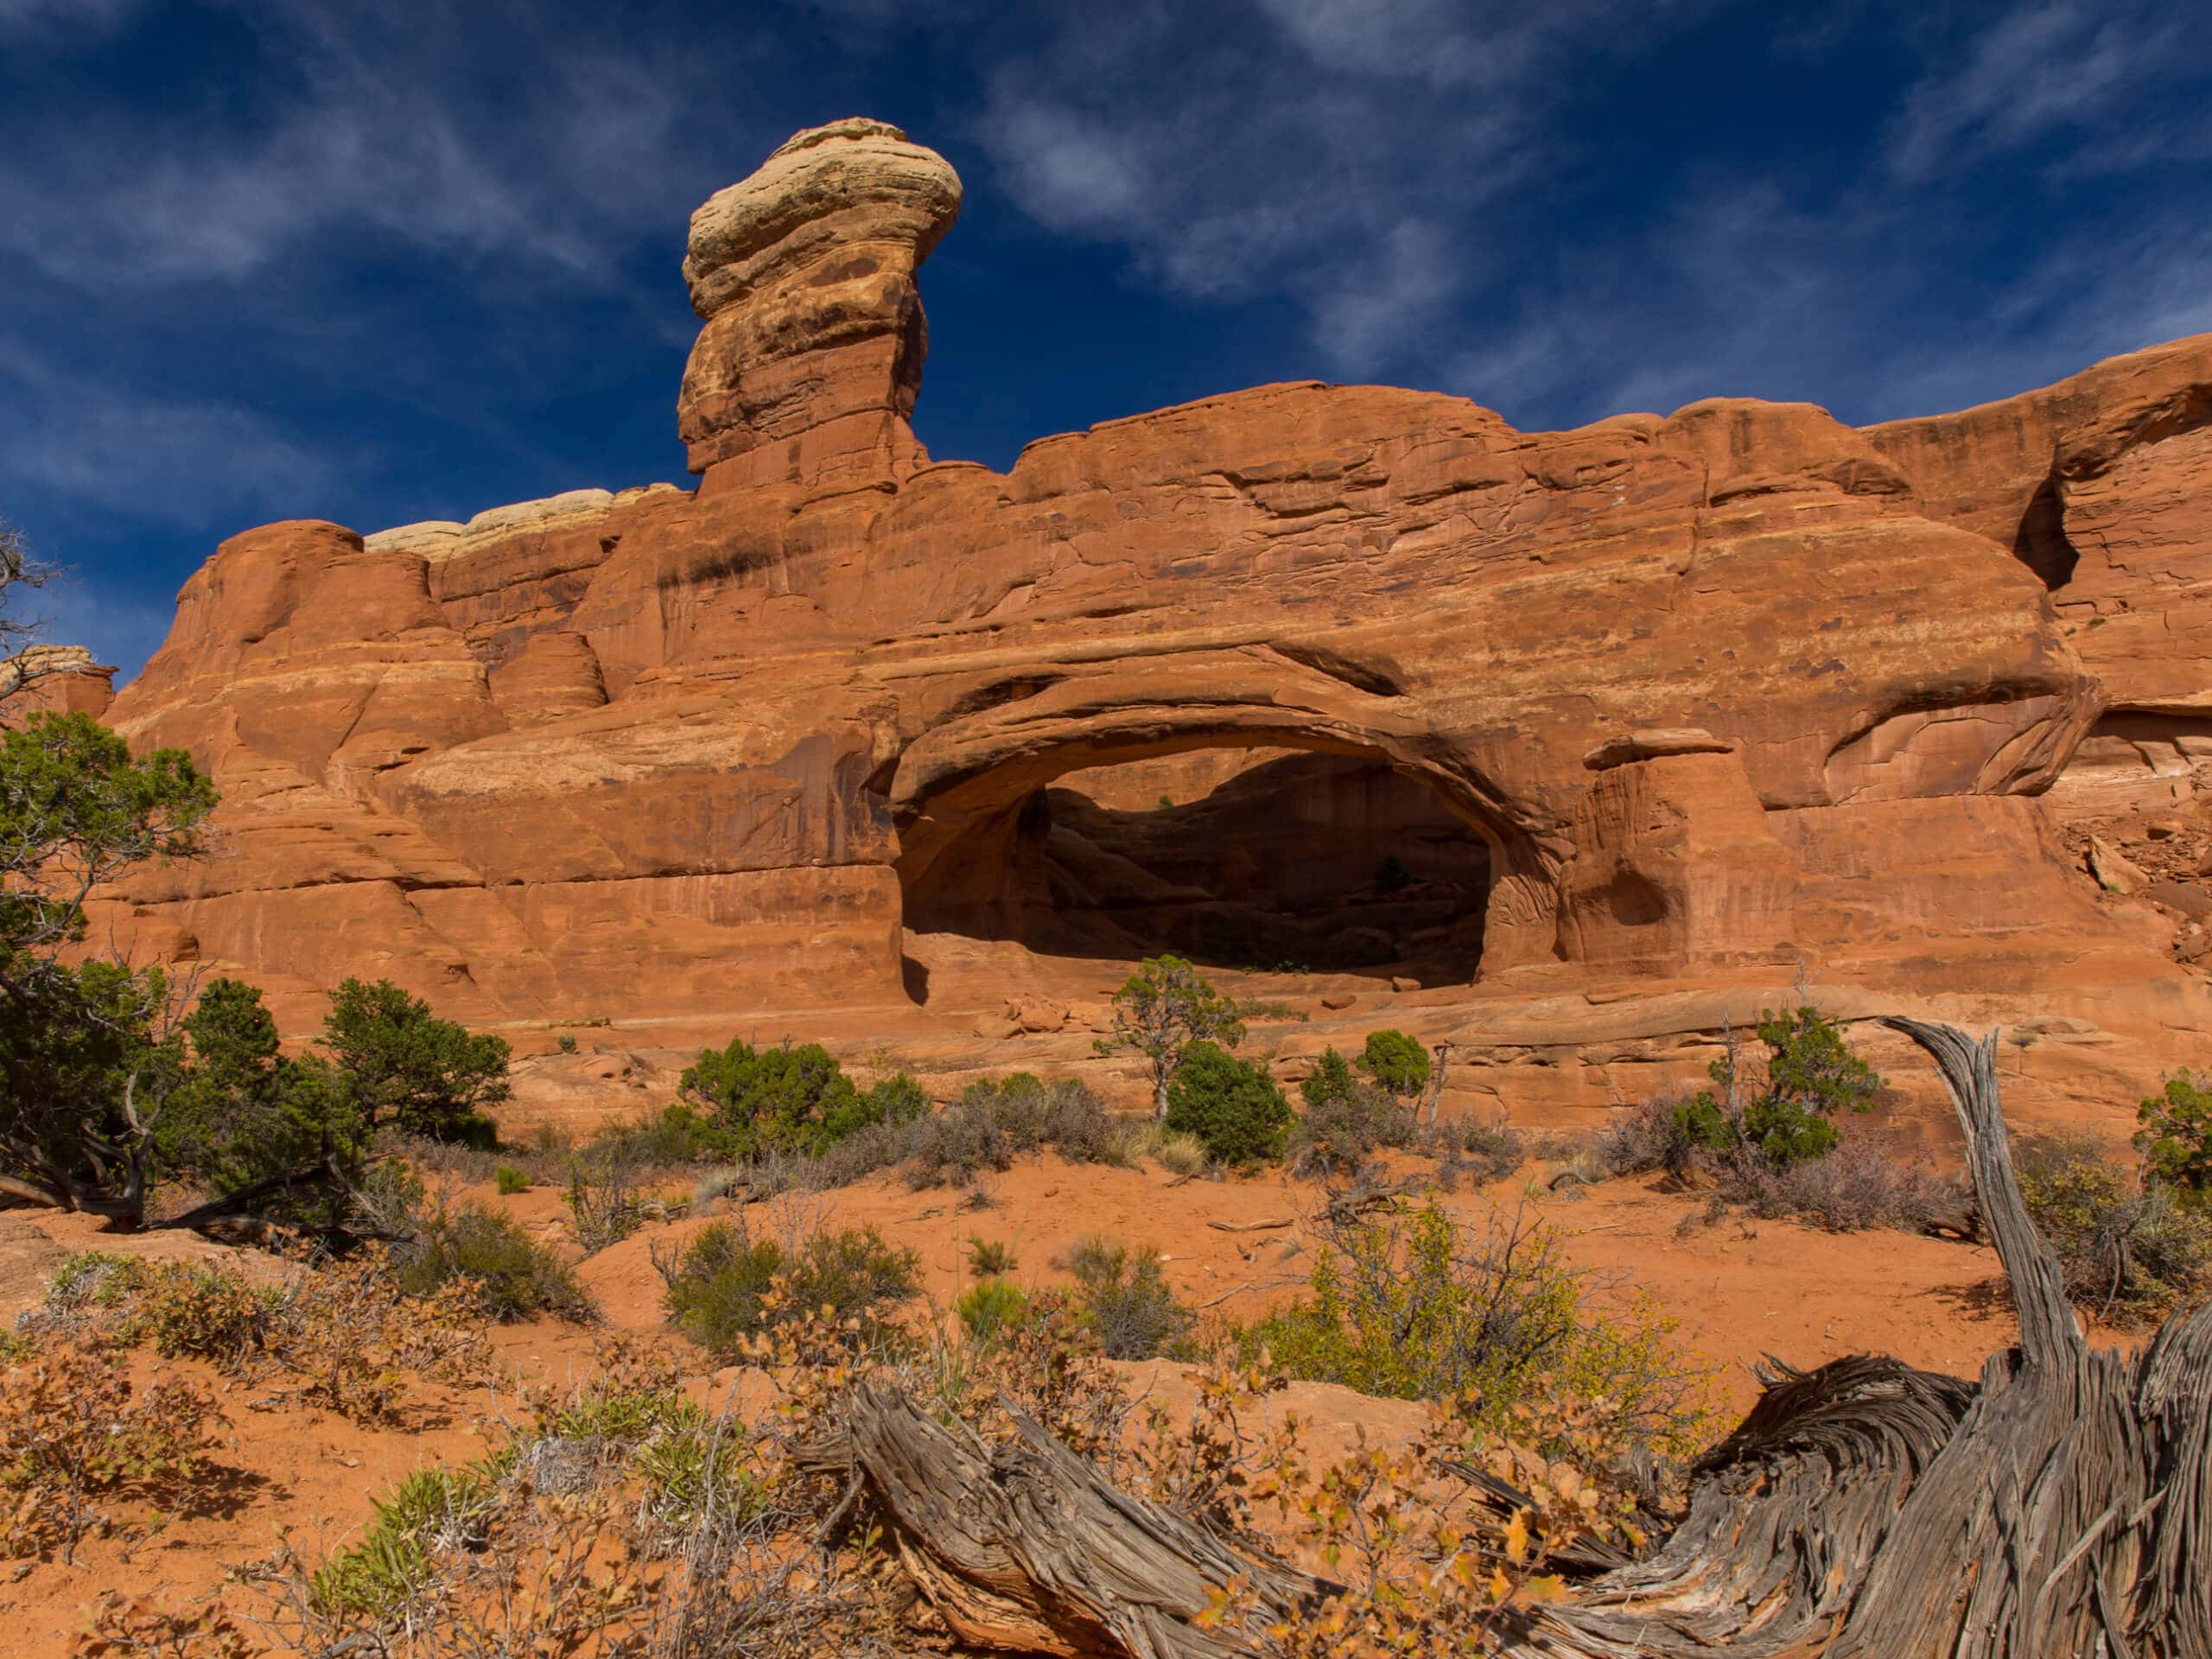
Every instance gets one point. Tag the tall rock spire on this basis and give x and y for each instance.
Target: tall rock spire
(808, 365)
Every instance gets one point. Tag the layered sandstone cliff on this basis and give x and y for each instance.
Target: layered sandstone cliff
(1702, 695)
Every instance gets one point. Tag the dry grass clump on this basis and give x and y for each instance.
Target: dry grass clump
(1182, 1154)
(343, 1336)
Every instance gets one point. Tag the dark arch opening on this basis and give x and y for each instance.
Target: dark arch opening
(1235, 856)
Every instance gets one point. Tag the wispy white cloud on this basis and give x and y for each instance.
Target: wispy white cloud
(1740, 294)
(65, 17)
(1384, 164)
(1071, 170)
(1455, 45)
(373, 140)
(1380, 305)
(136, 455)
(1339, 153)
(2049, 68)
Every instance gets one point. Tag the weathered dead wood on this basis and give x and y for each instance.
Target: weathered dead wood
(2060, 1506)
(1365, 1197)
(1441, 1053)
(1268, 1226)
(1028, 1549)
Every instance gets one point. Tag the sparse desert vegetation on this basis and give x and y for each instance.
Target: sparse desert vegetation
(703, 1476)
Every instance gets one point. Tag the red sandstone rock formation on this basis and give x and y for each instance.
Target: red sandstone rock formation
(811, 357)
(61, 679)
(1705, 694)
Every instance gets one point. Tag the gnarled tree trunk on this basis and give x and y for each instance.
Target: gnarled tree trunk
(1028, 1549)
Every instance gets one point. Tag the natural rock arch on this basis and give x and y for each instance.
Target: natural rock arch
(962, 784)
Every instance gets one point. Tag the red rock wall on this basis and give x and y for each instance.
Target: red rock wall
(669, 753)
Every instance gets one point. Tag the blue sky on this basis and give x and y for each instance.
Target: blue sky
(379, 263)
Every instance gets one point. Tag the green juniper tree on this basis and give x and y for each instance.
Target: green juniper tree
(88, 1049)
(1161, 1012)
(1397, 1063)
(404, 1067)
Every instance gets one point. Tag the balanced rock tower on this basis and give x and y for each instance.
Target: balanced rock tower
(812, 353)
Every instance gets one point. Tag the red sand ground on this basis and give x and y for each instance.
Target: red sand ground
(1740, 1290)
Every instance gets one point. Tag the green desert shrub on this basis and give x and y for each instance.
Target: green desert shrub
(84, 1061)
(510, 1180)
(241, 1118)
(2127, 1251)
(401, 1066)
(992, 1310)
(695, 1466)
(785, 1099)
(1234, 1108)
(2176, 1138)
(200, 1310)
(1162, 1013)
(1347, 1118)
(990, 1258)
(431, 1511)
(1398, 1064)
(1123, 1300)
(1419, 1306)
(1812, 1075)
(516, 1277)
(729, 1287)
(91, 1278)
(675, 1135)
(897, 1097)
(1331, 1078)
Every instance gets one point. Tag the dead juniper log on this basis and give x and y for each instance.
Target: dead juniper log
(2061, 1506)
(1028, 1549)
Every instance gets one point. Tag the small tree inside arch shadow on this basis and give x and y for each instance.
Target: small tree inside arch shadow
(1160, 1010)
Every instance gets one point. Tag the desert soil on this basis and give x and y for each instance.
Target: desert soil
(1740, 1289)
